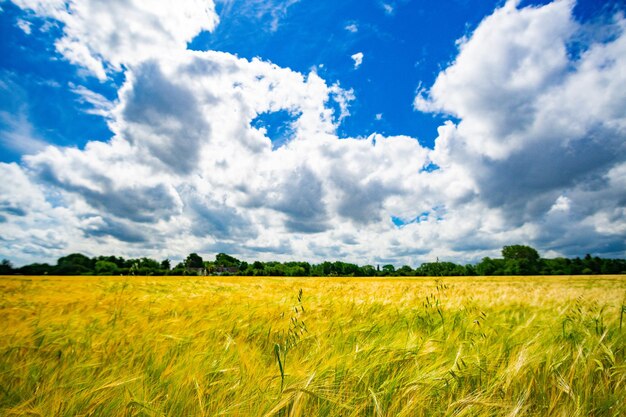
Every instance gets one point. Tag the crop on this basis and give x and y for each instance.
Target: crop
(236, 346)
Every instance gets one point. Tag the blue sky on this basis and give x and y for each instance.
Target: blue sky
(440, 91)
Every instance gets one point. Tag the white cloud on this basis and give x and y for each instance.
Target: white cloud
(358, 59)
(513, 57)
(32, 228)
(561, 204)
(98, 104)
(268, 13)
(536, 124)
(352, 27)
(536, 157)
(17, 133)
(192, 168)
(388, 8)
(279, 11)
(25, 26)
(103, 36)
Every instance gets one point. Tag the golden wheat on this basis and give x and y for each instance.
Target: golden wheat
(235, 346)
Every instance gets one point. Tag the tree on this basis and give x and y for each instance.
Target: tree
(520, 260)
(520, 252)
(179, 269)
(470, 270)
(440, 269)
(76, 259)
(490, 266)
(194, 261)
(6, 268)
(556, 266)
(75, 264)
(37, 269)
(222, 259)
(166, 264)
(405, 271)
(106, 268)
(144, 266)
(388, 269)
(368, 271)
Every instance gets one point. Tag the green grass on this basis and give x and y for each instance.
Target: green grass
(144, 346)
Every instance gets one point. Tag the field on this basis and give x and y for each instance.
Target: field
(232, 346)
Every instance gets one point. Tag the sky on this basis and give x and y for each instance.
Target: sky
(369, 131)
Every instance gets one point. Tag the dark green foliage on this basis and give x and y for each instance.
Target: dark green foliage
(36, 269)
(336, 269)
(470, 270)
(222, 259)
(194, 261)
(368, 271)
(440, 269)
(490, 266)
(405, 271)
(76, 259)
(75, 264)
(6, 268)
(106, 268)
(145, 266)
(517, 260)
(388, 270)
(520, 252)
(520, 260)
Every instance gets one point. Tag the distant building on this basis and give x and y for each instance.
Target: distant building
(230, 270)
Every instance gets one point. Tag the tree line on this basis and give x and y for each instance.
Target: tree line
(515, 260)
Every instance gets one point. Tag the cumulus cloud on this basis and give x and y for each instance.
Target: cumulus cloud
(512, 58)
(358, 59)
(186, 160)
(535, 155)
(536, 122)
(96, 37)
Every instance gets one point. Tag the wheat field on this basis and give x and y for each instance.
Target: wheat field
(239, 346)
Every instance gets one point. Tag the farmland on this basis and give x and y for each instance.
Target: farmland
(245, 346)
